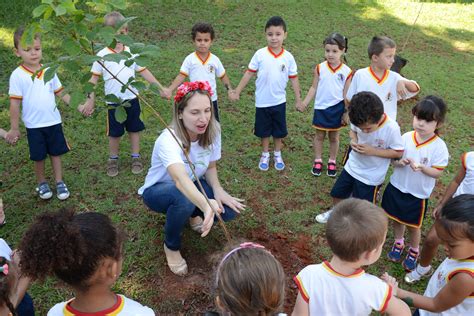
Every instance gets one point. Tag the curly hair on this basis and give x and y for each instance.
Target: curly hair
(6, 287)
(202, 28)
(69, 246)
(365, 107)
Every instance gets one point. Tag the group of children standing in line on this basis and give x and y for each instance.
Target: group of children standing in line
(367, 99)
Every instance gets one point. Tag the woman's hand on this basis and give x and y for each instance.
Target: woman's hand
(209, 217)
(224, 198)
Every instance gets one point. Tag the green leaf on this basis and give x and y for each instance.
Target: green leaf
(71, 47)
(86, 45)
(89, 59)
(50, 72)
(72, 66)
(39, 10)
(29, 34)
(47, 14)
(60, 10)
(91, 35)
(123, 22)
(113, 57)
(77, 97)
(119, 4)
(107, 33)
(125, 39)
(88, 87)
(120, 114)
(137, 48)
(112, 98)
(142, 61)
(138, 85)
(154, 88)
(47, 1)
(47, 25)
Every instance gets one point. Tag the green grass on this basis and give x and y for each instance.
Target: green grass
(440, 53)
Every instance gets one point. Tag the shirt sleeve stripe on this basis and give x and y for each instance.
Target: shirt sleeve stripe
(301, 288)
(464, 161)
(439, 167)
(222, 76)
(96, 73)
(387, 298)
(292, 76)
(183, 73)
(59, 90)
(251, 70)
(141, 69)
(16, 97)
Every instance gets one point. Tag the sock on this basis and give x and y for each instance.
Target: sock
(400, 241)
(135, 155)
(332, 160)
(422, 270)
(113, 157)
(318, 160)
(266, 154)
(417, 249)
(277, 153)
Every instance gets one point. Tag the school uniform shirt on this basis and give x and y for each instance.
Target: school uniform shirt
(445, 272)
(385, 88)
(5, 250)
(371, 170)
(273, 71)
(167, 152)
(431, 153)
(122, 72)
(123, 307)
(328, 292)
(467, 184)
(203, 70)
(330, 85)
(38, 98)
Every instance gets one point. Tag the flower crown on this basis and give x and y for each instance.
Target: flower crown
(187, 87)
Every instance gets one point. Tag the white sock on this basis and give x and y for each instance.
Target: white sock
(277, 153)
(266, 154)
(423, 270)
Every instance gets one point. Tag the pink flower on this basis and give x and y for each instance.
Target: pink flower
(187, 87)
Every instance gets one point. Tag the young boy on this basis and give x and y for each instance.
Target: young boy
(388, 85)
(39, 114)
(375, 139)
(340, 286)
(274, 66)
(202, 64)
(133, 124)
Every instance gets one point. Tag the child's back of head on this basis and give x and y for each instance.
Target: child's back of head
(365, 108)
(354, 227)
(250, 281)
(457, 218)
(113, 18)
(7, 283)
(378, 43)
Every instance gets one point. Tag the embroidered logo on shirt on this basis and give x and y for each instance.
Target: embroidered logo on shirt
(389, 97)
(283, 67)
(340, 77)
(379, 143)
(424, 161)
(210, 68)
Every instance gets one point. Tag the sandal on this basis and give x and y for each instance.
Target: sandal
(178, 268)
(195, 225)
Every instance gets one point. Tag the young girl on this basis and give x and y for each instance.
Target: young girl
(449, 291)
(250, 281)
(329, 87)
(85, 251)
(463, 183)
(405, 199)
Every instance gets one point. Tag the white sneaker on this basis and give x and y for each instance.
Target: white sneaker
(264, 163)
(323, 217)
(415, 275)
(279, 164)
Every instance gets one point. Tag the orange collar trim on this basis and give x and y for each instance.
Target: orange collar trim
(112, 311)
(31, 72)
(426, 142)
(333, 70)
(356, 273)
(276, 55)
(379, 80)
(115, 52)
(384, 120)
(205, 60)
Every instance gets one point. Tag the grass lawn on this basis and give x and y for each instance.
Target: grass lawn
(281, 205)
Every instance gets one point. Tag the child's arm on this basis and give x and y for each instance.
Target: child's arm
(14, 132)
(353, 137)
(242, 84)
(396, 307)
(368, 150)
(405, 87)
(64, 96)
(88, 108)
(296, 88)
(176, 82)
(345, 116)
(429, 171)
(312, 90)
(301, 307)
(450, 190)
(148, 76)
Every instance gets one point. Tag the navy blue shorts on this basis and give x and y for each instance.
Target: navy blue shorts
(347, 186)
(271, 121)
(329, 119)
(404, 207)
(44, 141)
(216, 110)
(133, 123)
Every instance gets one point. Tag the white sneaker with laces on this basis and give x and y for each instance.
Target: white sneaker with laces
(264, 163)
(279, 164)
(323, 217)
(416, 275)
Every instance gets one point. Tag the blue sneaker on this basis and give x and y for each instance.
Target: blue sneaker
(279, 164)
(62, 191)
(395, 254)
(264, 163)
(44, 191)
(409, 264)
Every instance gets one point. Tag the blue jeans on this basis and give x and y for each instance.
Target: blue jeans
(164, 197)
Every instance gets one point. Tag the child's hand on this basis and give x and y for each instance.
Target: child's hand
(233, 95)
(12, 136)
(300, 106)
(364, 149)
(345, 119)
(390, 281)
(86, 109)
(416, 166)
(166, 93)
(402, 91)
(436, 211)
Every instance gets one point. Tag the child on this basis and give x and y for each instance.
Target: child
(250, 281)
(375, 139)
(341, 287)
(463, 183)
(40, 115)
(202, 65)
(274, 65)
(85, 251)
(133, 124)
(13, 297)
(414, 176)
(449, 291)
(388, 85)
(329, 83)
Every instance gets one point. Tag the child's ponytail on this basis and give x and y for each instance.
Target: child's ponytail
(6, 285)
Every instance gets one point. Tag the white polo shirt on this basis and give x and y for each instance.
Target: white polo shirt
(122, 72)
(203, 70)
(328, 292)
(167, 152)
(385, 88)
(330, 85)
(432, 153)
(371, 170)
(38, 98)
(467, 184)
(273, 72)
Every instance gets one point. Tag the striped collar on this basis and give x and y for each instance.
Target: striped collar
(330, 269)
(376, 78)
(426, 142)
(111, 311)
(205, 60)
(31, 72)
(333, 70)
(275, 55)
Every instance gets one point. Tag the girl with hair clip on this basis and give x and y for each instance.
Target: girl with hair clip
(450, 289)
(14, 301)
(250, 281)
(329, 87)
(85, 251)
(170, 185)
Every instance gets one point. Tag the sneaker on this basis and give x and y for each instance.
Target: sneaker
(137, 165)
(317, 168)
(44, 191)
(61, 191)
(112, 167)
(323, 217)
(279, 164)
(395, 254)
(332, 170)
(409, 264)
(415, 275)
(264, 163)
